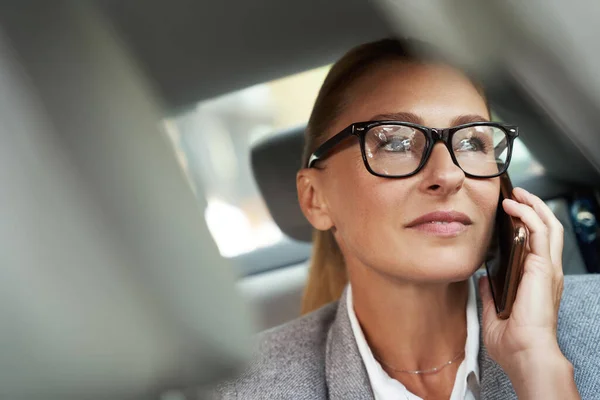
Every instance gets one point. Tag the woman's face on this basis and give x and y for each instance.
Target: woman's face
(372, 216)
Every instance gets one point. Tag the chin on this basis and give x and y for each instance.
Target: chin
(450, 273)
(446, 261)
(444, 267)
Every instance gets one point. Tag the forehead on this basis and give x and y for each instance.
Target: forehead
(437, 94)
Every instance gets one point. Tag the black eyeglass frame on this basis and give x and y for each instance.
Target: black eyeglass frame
(433, 135)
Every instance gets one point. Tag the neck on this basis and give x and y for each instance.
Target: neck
(410, 325)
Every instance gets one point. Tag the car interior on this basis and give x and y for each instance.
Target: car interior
(186, 54)
(272, 278)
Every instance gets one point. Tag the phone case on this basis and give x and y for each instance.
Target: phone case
(516, 235)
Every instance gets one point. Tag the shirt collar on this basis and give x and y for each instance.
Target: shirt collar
(473, 328)
(386, 387)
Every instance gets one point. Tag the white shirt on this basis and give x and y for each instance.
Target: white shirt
(466, 385)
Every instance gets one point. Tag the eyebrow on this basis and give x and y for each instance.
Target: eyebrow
(415, 119)
(398, 116)
(465, 119)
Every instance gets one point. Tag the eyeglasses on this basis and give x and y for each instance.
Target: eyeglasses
(396, 149)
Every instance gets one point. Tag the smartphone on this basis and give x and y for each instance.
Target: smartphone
(504, 263)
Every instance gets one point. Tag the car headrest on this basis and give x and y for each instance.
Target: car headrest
(275, 162)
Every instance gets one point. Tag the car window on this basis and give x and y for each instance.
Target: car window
(522, 163)
(213, 141)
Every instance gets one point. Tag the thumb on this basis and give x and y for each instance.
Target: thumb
(491, 325)
(484, 290)
(489, 309)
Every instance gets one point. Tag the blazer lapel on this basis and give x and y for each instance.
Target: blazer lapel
(345, 372)
(493, 382)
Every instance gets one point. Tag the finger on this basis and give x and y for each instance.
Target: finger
(556, 230)
(538, 231)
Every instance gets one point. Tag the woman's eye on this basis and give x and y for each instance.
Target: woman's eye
(397, 145)
(472, 144)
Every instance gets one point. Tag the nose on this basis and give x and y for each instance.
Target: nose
(441, 176)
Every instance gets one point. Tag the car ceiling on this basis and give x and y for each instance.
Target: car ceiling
(193, 50)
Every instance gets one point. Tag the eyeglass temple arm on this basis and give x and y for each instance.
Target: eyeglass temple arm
(513, 133)
(500, 148)
(329, 145)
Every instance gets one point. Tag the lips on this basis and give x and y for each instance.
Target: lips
(441, 223)
(441, 217)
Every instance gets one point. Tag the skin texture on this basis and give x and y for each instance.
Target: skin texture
(409, 287)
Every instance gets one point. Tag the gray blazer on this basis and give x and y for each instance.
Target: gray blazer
(316, 357)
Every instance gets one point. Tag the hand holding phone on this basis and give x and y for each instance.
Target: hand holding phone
(507, 253)
(527, 341)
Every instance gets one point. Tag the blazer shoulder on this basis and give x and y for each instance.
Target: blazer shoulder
(579, 330)
(581, 295)
(302, 335)
(289, 361)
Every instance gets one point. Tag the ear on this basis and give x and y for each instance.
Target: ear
(312, 199)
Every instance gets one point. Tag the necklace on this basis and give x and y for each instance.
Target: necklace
(434, 370)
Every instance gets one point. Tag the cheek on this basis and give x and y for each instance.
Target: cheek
(365, 207)
(354, 200)
(484, 195)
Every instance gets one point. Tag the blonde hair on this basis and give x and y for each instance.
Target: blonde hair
(327, 273)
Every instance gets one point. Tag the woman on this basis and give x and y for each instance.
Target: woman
(401, 227)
